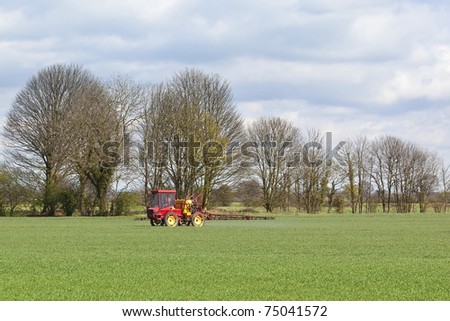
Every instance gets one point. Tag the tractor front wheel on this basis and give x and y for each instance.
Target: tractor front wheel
(197, 219)
(155, 222)
(171, 219)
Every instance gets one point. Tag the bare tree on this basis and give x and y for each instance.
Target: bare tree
(350, 162)
(17, 187)
(426, 177)
(36, 129)
(355, 156)
(377, 171)
(406, 164)
(129, 99)
(361, 157)
(97, 142)
(154, 136)
(270, 139)
(403, 173)
(248, 192)
(191, 119)
(311, 174)
(386, 155)
(336, 182)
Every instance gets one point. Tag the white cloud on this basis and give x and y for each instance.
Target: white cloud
(27, 50)
(429, 80)
(10, 20)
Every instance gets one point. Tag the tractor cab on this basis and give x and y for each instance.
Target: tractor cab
(162, 199)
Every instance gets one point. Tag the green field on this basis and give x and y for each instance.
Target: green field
(315, 257)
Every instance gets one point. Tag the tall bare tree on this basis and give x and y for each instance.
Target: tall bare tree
(311, 175)
(361, 156)
(350, 162)
(270, 140)
(36, 127)
(97, 142)
(194, 116)
(336, 182)
(426, 177)
(129, 99)
(404, 174)
(355, 156)
(206, 114)
(386, 155)
(154, 136)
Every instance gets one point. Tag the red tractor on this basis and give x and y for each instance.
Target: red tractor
(167, 210)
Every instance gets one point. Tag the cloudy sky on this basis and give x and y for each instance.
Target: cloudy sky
(352, 67)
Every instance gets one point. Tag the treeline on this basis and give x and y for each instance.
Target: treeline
(74, 143)
(80, 143)
(386, 175)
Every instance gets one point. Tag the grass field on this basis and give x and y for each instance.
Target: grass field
(315, 257)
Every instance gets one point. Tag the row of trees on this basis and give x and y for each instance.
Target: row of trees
(307, 173)
(386, 174)
(74, 142)
(70, 131)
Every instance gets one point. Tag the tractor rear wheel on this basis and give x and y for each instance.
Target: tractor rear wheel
(197, 219)
(171, 219)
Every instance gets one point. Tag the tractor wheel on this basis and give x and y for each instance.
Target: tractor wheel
(171, 219)
(155, 222)
(197, 219)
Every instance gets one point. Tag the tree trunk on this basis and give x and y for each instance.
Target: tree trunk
(49, 201)
(146, 181)
(82, 195)
(102, 200)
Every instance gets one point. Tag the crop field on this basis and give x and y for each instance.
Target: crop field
(295, 257)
